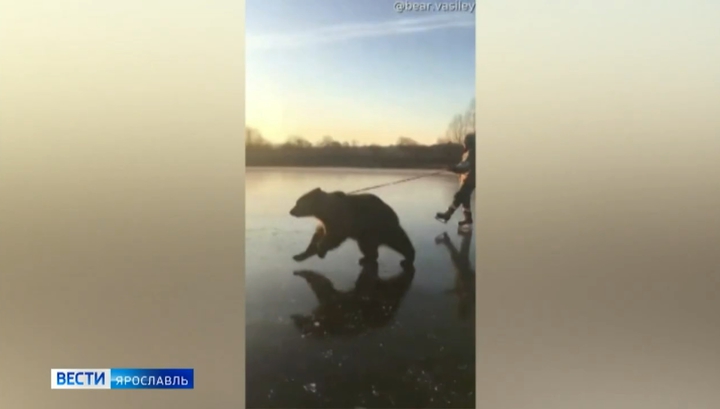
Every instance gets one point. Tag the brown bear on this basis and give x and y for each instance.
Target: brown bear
(364, 218)
(371, 304)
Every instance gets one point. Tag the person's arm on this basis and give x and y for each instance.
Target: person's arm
(471, 160)
(461, 167)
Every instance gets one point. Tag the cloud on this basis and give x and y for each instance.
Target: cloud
(345, 32)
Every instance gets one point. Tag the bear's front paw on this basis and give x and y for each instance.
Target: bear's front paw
(300, 257)
(302, 273)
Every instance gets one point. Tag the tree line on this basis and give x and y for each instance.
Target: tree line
(329, 152)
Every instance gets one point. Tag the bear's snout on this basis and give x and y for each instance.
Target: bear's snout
(293, 212)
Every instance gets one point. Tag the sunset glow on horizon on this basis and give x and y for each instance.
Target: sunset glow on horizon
(356, 71)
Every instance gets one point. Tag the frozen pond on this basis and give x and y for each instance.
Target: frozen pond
(395, 340)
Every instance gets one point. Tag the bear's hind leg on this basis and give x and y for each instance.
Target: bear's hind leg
(369, 246)
(399, 241)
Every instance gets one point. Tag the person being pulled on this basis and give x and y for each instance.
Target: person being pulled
(466, 170)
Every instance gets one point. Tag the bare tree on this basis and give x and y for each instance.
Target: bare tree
(327, 142)
(298, 142)
(405, 141)
(253, 137)
(469, 117)
(456, 129)
(461, 125)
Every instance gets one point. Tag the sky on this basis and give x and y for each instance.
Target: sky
(356, 70)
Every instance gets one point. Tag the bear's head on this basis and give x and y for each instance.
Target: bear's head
(309, 204)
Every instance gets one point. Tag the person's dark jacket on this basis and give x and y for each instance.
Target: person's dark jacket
(466, 167)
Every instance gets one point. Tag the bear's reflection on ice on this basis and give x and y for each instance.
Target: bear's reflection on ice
(370, 304)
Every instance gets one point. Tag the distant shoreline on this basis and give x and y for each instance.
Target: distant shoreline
(385, 167)
(420, 157)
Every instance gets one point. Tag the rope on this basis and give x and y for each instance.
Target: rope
(395, 182)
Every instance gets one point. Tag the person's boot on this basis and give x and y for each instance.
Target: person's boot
(446, 215)
(467, 222)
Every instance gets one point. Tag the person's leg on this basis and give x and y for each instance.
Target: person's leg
(467, 220)
(458, 200)
(447, 214)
